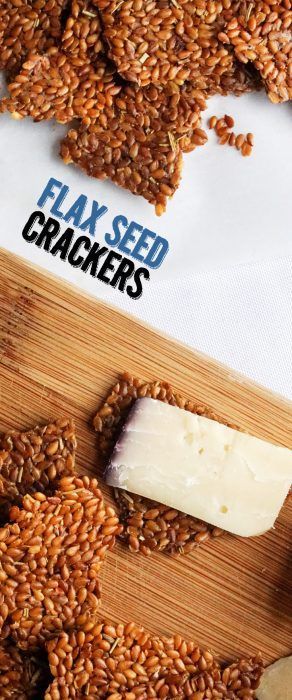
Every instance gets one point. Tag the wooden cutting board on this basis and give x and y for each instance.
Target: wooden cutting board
(60, 352)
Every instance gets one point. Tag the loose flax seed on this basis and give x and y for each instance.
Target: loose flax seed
(223, 128)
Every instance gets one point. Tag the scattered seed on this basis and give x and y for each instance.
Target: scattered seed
(212, 122)
(229, 121)
(239, 141)
(246, 149)
(224, 138)
(221, 124)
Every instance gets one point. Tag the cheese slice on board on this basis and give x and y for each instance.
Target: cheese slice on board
(201, 467)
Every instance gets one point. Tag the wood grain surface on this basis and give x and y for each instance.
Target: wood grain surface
(60, 352)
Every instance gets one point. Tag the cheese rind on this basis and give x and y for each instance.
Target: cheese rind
(276, 682)
(201, 467)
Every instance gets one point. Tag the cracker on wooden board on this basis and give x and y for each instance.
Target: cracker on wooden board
(50, 555)
(148, 525)
(33, 460)
(120, 661)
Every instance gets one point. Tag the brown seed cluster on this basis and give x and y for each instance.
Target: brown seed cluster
(261, 33)
(62, 71)
(81, 38)
(223, 128)
(33, 460)
(124, 662)
(50, 557)
(52, 86)
(148, 525)
(22, 676)
(28, 26)
(159, 41)
(138, 141)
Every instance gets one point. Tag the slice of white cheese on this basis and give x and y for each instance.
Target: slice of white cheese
(276, 682)
(201, 467)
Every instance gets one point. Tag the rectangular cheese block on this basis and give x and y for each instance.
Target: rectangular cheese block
(201, 467)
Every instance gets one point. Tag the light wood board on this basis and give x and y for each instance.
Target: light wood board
(60, 352)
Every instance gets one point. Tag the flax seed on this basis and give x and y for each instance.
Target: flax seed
(224, 138)
(212, 122)
(229, 121)
(246, 149)
(239, 141)
(221, 124)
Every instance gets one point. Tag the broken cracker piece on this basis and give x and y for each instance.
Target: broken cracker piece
(28, 26)
(50, 557)
(138, 141)
(124, 661)
(158, 42)
(60, 86)
(261, 34)
(32, 460)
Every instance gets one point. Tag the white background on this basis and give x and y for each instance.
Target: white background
(225, 287)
